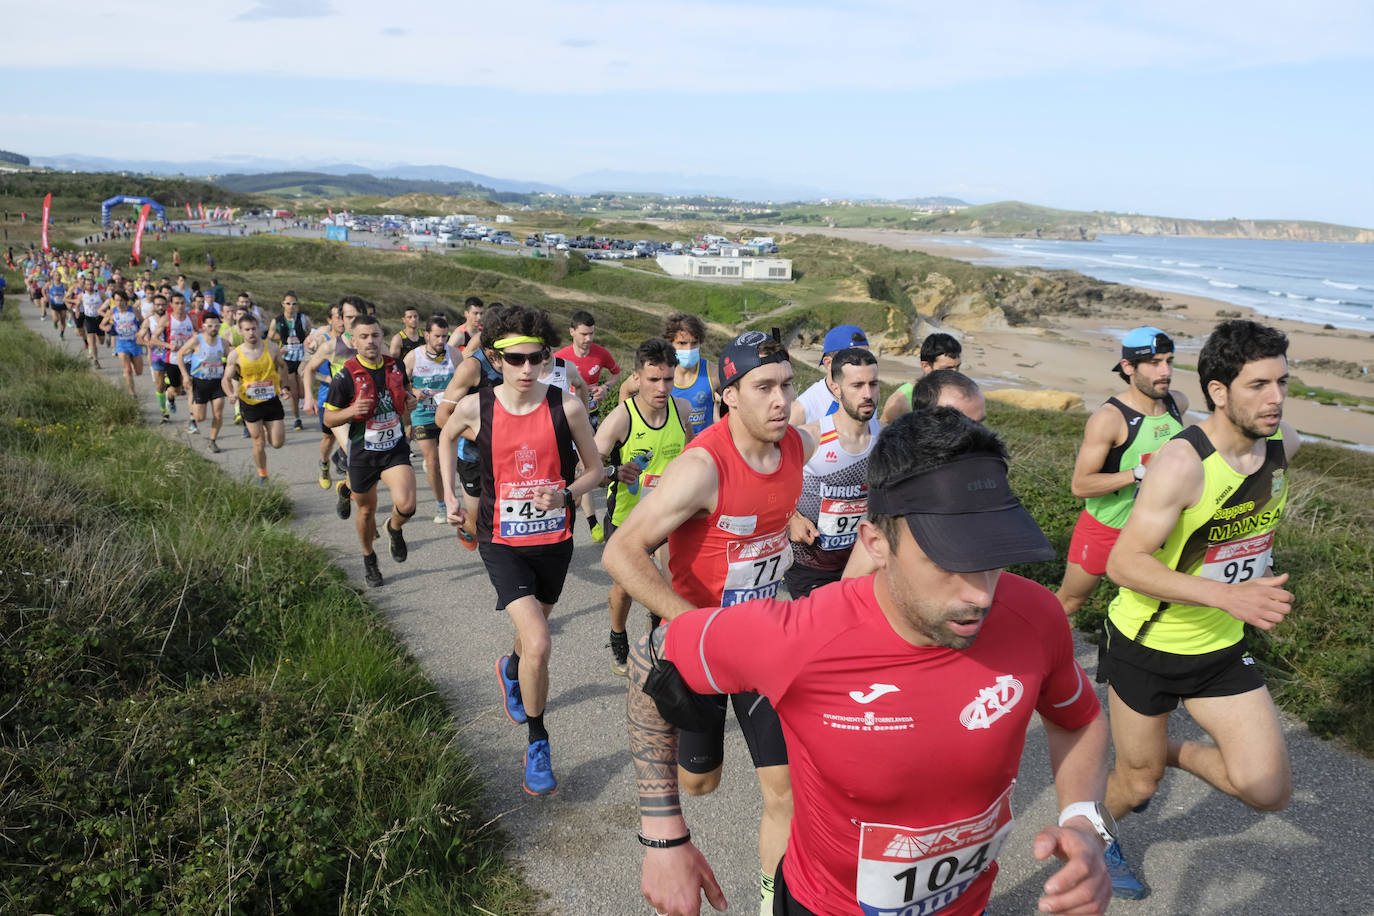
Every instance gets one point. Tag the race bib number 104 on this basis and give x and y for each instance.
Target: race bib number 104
(905, 871)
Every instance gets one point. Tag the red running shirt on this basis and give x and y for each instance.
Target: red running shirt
(902, 757)
(516, 453)
(741, 550)
(590, 366)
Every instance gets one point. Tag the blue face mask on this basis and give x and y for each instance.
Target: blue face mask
(688, 358)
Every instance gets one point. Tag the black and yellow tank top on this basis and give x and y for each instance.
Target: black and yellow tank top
(1227, 536)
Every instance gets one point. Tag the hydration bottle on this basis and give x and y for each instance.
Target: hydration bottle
(642, 461)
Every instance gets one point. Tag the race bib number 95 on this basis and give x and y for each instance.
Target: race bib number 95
(1238, 561)
(905, 871)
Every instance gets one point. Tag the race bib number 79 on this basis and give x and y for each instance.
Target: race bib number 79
(905, 871)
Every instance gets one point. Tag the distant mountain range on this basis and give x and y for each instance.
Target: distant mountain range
(668, 183)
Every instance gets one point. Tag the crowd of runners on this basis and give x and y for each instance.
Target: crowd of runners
(885, 702)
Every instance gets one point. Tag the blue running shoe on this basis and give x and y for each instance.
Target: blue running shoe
(510, 692)
(1124, 882)
(539, 769)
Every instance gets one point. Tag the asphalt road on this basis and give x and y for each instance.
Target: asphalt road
(1200, 851)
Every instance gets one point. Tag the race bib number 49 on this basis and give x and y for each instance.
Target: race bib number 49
(517, 516)
(1238, 561)
(905, 871)
(755, 568)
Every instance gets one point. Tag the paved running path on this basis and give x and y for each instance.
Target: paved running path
(1203, 853)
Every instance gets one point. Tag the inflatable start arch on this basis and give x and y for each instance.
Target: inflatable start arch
(113, 202)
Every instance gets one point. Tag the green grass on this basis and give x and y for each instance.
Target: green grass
(201, 714)
(1299, 389)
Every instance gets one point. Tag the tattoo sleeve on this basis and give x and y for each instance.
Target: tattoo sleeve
(653, 742)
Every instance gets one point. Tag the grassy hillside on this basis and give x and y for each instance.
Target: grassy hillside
(311, 184)
(200, 714)
(1017, 219)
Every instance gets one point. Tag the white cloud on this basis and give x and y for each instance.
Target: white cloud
(723, 45)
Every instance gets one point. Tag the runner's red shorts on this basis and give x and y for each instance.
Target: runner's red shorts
(1091, 543)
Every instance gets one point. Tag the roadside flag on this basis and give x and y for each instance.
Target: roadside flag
(200, 208)
(138, 233)
(189, 215)
(47, 208)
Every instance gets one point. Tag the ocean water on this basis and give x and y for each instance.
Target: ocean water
(1317, 282)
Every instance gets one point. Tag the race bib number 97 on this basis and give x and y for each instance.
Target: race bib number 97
(755, 568)
(905, 871)
(838, 522)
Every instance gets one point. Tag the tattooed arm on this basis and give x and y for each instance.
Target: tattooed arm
(674, 878)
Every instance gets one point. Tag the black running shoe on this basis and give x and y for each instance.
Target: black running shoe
(340, 461)
(620, 653)
(371, 574)
(344, 507)
(399, 551)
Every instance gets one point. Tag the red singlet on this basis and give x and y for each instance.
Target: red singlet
(741, 550)
(516, 453)
(903, 757)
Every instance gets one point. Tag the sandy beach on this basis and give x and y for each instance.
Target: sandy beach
(1075, 354)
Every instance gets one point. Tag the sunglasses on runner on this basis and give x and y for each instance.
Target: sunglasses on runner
(519, 359)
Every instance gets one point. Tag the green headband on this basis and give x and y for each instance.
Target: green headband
(505, 342)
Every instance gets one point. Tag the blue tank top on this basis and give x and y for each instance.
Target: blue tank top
(698, 396)
(323, 371)
(208, 362)
(467, 450)
(125, 323)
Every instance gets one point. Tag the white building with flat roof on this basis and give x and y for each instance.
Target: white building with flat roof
(713, 267)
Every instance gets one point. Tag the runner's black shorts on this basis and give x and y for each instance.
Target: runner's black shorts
(1152, 682)
(92, 323)
(470, 476)
(702, 752)
(364, 472)
(205, 390)
(265, 412)
(56, 306)
(803, 580)
(173, 374)
(293, 366)
(426, 431)
(517, 572)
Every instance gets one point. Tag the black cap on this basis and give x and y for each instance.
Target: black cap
(964, 515)
(741, 355)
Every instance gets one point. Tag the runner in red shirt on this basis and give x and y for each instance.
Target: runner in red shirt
(524, 433)
(590, 359)
(905, 698)
(724, 506)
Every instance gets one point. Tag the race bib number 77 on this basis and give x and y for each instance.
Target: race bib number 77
(905, 871)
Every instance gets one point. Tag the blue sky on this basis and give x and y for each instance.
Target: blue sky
(1214, 109)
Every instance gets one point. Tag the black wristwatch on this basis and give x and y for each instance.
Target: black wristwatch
(567, 498)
